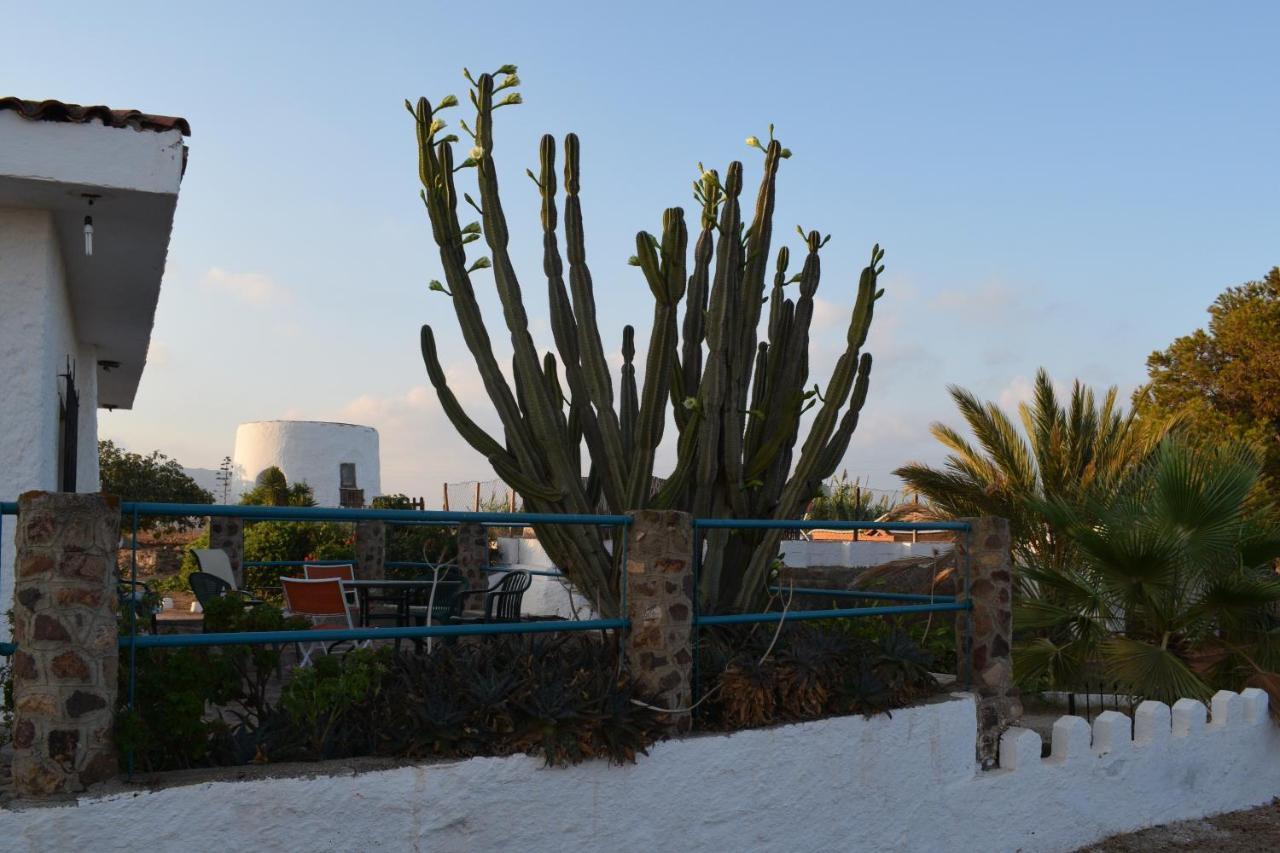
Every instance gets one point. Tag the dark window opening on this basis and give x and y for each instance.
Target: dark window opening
(69, 434)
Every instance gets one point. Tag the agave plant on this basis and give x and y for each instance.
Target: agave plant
(735, 400)
(1174, 587)
(1078, 453)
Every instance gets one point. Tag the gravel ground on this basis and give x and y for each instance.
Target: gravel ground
(1234, 832)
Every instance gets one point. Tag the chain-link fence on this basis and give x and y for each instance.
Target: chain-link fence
(480, 496)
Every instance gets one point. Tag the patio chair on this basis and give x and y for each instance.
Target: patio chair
(209, 587)
(439, 604)
(322, 602)
(341, 571)
(502, 600)
(214, 561)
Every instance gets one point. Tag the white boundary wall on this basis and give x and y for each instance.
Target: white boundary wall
(907, 783)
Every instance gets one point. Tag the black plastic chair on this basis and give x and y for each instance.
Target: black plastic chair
(502, 600)
(209, 587)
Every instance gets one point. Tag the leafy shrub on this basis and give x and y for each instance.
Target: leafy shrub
(196, 706)
(559, 697)
(415, 543)
(811, 671)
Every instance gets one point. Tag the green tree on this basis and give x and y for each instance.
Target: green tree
(154, 478)
(842, 499)
(272, 489)
(1074, 452)
(1224, 381)
(415, 543)
(1173, 589)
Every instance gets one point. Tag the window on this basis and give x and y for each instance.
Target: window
(347, 475)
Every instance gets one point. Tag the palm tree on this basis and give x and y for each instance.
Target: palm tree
(1075, 452)
(1173, 590)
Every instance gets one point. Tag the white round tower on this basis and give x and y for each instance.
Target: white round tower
(331, 458)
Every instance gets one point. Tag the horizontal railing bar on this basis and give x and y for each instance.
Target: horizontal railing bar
(809, 524)
(846, 613)
(8, 507)
(326, 635)
(859, 593)
(313, 513)
(7, 649)
(274, 564)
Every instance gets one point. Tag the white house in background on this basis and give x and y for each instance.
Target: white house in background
(75, 310)
(340, 462)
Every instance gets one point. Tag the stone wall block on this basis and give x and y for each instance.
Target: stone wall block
(64, 619)
(659, 581)
(228, 534)
(473, 558)
(371, 550)
(985, 633)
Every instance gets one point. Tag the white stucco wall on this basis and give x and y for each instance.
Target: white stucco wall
(310, 452)
(547, 596)
(906, 783)
(800, 554)
(37, 336)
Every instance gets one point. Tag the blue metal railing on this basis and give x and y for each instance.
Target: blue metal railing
(871, 595)
(913, 603)
(921, 603)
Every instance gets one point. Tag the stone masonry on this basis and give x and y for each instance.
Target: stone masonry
(985, 665)
(65, 669)
(371, 550)
(228, 534)
(473, 558)
(659, 589)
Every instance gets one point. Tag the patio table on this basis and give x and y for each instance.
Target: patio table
(399, 592)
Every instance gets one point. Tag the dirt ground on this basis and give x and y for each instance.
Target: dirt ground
(1234, 832)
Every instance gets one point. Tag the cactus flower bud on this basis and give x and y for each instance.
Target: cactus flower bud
(753, 142)
(476, 152)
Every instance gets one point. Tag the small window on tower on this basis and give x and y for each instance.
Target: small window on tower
(347, 475)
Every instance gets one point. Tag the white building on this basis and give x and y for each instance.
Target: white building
(75, 319)
(329, 457)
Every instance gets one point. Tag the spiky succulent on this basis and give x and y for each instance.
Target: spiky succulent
(736, 401)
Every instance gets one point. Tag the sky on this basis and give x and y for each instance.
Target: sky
(1056, 185)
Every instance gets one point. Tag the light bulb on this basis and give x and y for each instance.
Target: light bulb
(88, 235)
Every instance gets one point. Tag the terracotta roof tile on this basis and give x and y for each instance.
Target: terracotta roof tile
(77, 114)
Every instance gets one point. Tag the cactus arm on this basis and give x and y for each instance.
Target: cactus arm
(435, 173)
(629, 406)
(850, 369)
(483, 443)
(595, 366)
(564, 329)
(666, 278)
(541, 409)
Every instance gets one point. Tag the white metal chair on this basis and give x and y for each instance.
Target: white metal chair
(320, 600)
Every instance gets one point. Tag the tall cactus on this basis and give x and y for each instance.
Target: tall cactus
(736, 402)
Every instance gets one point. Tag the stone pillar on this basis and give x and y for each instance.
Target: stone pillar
(473, 558)
(984, 660)
(660, 592)
(65, 669)
(371, 550)
(228, 534)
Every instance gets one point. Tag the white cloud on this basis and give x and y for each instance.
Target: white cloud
(991, 298)
(419, 446)
(1020, 390)
(250, 287)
